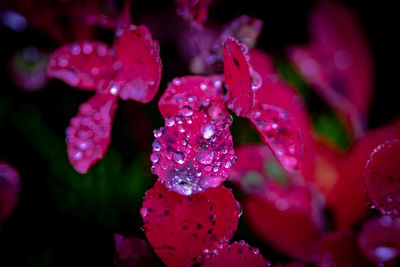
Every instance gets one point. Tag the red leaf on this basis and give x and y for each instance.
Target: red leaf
(131, 252)
(280, 132)
(194, 151)
(291, 218)
(9, 190)
(195, 92)
(342, 249)
(82, 65)
(382, 178)
(89, 133)
(238, 77)
(338, 62)
(140, 63)
(236, 254)
(379, 239)
(183, 228)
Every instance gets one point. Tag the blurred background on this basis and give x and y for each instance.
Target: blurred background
(64, 218)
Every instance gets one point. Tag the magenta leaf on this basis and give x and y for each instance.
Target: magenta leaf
(342, 249)
(194, 151)
(182, 229)
(132, 252)
(382, 178)
(140, 64)
(379, 239)
(9, 190)
(83, 65)
(337, 63)
(236, 254)
(89, 132)
(194, 92)
(239, 77)
(280, 132)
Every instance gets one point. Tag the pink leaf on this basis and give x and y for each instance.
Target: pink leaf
(342, 249)
(382, 177)
(9, 190)
(236, 254)
(83, 65)
(238, 77)
(379, 239)
(194, 151)
(89, 133)
(131, 252)
(280, 132)
(183, 228)
(140, 64)
(337, 62)
(195, 92)
(291, 218)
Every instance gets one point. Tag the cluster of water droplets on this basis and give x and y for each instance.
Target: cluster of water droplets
(89, 132)
(193, 152)
(280, 132)
(82, 64)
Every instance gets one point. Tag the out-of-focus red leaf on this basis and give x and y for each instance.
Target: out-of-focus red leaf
(379, 239)
(338, 62)
(194, 151)
(339, 249)
(382, 177)
(280, 210)
(181, 229)
(9, 190)
(240, 78)
(236, 254)
(83, 65)
(140, 65)
(89, 132)
(193, 10)
(194, 92)
(131, 252)
(280, 132)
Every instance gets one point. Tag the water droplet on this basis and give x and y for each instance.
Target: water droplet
(169, 122)
(385, 253)
(156, 146)
(87, 48)
(143, 212)
(179, 157)
(187, 111)
(154, 158)
(203, 87)
(75, 49)
(184, 189)
(239, 208)
(157, 133)
(256, 80)
(205, 156)
(208, 130)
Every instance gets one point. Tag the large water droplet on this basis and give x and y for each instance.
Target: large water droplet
(205, 156)
(179, 157)
(208, 130)
(156, 146)
(154, 158)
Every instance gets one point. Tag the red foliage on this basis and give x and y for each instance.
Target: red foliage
(140, 64)
(183, 228)
(89, 133)
(194, 92)
(379, 239)
(238, 77)
(337, 62)
(382, 177)
(194, 151)
(279, 131)
(236, 254)
(283, 212)
(339, 249)
(83, 65)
